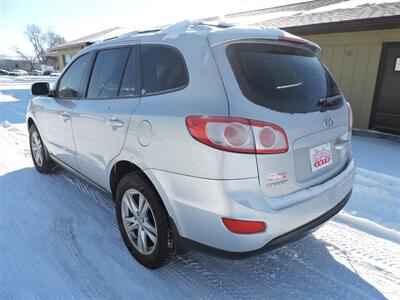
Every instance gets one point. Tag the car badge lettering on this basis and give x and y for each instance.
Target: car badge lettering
(276, 179)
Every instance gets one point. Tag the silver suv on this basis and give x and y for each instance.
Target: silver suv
(228, 140)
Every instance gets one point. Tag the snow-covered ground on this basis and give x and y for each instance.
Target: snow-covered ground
(59, 238)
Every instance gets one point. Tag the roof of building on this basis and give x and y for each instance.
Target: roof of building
(323, 16)
(309, 17)
(10, 57)
(90, 39)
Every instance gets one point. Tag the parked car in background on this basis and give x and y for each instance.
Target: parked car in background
(55, 74)
(36, 72)
(4, 72)
(18, 72)
(228, 140)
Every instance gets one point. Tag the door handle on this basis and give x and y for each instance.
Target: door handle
(66, 116)
(114, 123)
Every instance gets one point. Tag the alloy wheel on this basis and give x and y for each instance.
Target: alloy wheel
(37, 148)
(139, 222)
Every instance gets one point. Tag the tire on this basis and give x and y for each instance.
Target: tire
(151, 223)
(44, 165)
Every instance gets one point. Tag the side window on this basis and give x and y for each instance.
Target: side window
(128, 84)
(71, 80)
(107, 73)
(163, 69)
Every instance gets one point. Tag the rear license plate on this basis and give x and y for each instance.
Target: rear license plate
(321, 156)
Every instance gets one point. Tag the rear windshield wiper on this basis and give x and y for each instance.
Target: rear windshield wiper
(329, 102)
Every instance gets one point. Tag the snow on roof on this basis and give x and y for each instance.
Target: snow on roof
(174, 31)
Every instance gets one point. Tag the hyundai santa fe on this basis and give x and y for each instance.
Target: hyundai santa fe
(230, 140)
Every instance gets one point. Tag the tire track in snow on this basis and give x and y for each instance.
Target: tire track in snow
(374, 259)
(98, 206)
(211, 277)
(79, 267)
(308, 268)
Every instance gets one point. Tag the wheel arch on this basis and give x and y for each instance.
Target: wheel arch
(123, 167)
(30, 122)
(119, 170)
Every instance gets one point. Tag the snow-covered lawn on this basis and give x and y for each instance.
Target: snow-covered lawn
(59, 238)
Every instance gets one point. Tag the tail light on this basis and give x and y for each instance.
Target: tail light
(350, 115)
(238, 135)
(241, 226)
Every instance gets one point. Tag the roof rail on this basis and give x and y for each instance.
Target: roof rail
(196, 23)
(137, 32)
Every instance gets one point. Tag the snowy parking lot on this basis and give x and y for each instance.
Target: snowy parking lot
(59, 236)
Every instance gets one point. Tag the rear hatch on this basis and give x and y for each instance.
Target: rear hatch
(284, 83)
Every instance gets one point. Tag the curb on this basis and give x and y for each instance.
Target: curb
(375, 134)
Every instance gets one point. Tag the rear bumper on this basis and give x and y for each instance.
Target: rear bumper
(197, 205)
(277, 242)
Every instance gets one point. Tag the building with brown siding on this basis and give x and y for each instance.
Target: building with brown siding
(360, 42)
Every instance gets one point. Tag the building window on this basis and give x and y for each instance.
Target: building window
(66, 58)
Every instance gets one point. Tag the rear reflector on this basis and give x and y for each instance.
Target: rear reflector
(246, 227)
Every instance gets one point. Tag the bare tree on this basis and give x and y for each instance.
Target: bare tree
(52, 39)
(41, 41)
(31, 60)
(37, 40)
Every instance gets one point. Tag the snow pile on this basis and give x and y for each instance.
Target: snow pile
(26, 79)
(6, 98)
(14, 151)
(5, 124)
(176, 30)
(369, 226)
(376, 196)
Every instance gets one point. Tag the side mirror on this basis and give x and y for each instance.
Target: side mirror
(40, 89)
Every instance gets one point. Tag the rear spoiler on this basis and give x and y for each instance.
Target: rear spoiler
(235, 34)
(298, 40)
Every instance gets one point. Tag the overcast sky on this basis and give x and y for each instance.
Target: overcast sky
(76, 18)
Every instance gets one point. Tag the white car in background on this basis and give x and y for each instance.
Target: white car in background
(18, 72)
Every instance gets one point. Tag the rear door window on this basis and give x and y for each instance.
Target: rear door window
(163, 69)
(282, 78)
(130, 79)
(107, 73)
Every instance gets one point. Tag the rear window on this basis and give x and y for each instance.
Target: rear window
(163, 69)
(282, 78)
